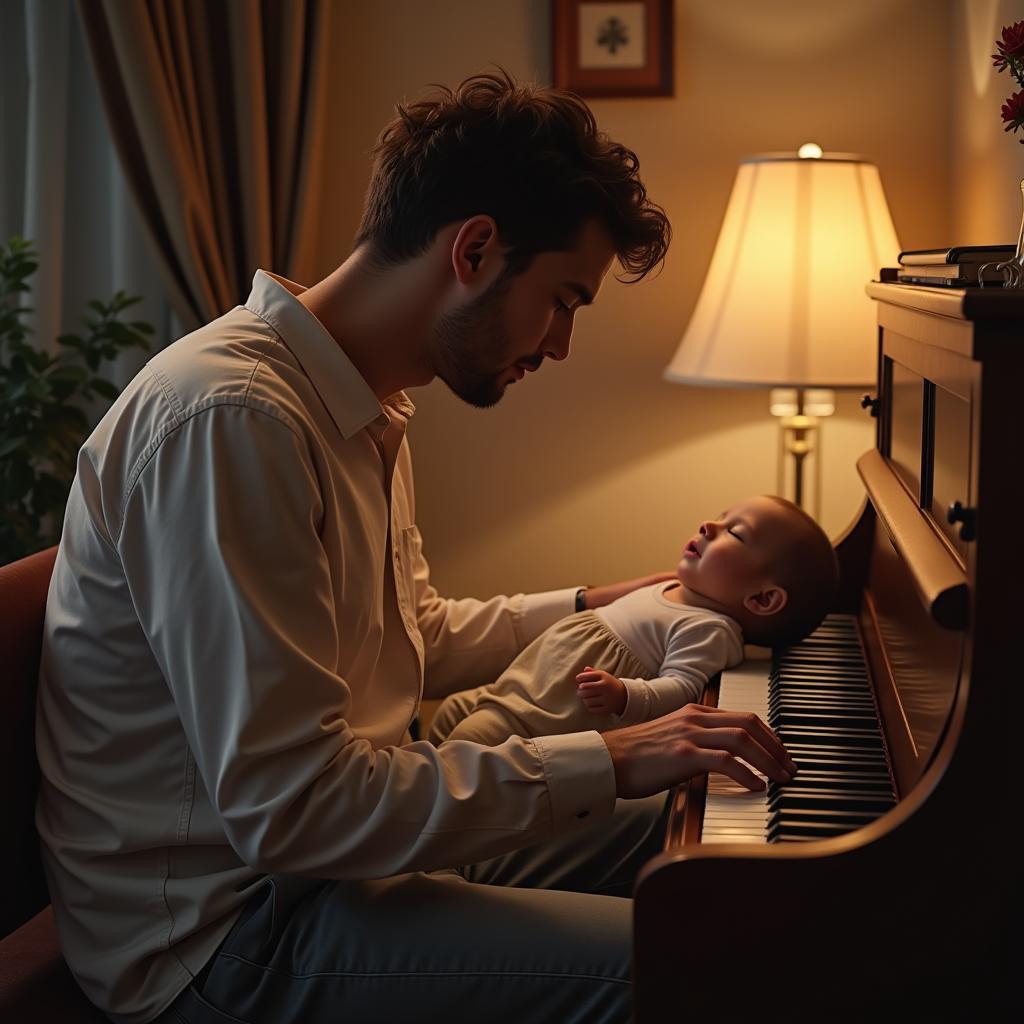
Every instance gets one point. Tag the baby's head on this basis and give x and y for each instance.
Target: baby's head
(767, 564)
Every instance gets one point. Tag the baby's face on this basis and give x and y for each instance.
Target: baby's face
(734, 556)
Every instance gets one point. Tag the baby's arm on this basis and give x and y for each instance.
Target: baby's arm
(601, 692)
(652, 698)
(694, 654)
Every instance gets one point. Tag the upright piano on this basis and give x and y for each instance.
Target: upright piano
(882, 881)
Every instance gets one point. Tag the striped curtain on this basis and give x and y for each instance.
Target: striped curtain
(217, 110)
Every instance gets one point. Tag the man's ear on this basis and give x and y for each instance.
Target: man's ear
(766, 602)
(477, 257)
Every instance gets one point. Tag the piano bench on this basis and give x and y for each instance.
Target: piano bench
(35, 983)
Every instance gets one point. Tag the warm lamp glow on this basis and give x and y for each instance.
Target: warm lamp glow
(783, 303)
(809, 151)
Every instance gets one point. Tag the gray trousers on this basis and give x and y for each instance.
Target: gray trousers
(540, 935)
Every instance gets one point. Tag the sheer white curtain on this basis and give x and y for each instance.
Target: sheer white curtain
(61, 185)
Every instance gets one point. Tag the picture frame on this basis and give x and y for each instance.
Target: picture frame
(612, 48)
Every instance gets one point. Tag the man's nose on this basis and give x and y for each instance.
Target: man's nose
(557, 341)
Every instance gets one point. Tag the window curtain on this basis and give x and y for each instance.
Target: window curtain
(217, 109)
(61, 184)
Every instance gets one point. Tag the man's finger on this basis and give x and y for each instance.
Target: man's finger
(740, 743)
(736, 770)
(716, 718)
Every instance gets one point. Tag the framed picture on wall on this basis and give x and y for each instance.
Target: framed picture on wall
(612, 47)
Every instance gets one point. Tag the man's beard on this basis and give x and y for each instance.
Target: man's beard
(469, 341)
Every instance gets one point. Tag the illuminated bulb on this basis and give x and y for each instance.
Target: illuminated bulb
(809, 151)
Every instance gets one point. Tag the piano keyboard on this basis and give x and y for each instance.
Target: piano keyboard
(817, 696)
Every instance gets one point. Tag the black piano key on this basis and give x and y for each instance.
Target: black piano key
(841, 698)
(828, 769)
(825, 759)
(822, 670)
(836, 753)
(832, 654)
(836, 654)
(878, 783)
(793, 687)
(853, 739)
(827, 638)
(838, 660)
(823, 636)
(839, 645)
(818, 692)
(851, 698)
(822, 687)
(845, 722)
(838, 708)
(829, 800)
(818, 681)
(806, 831)
(877, 769)
(822, 815)
(812, 733)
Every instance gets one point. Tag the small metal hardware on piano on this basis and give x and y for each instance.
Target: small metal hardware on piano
(879, 881)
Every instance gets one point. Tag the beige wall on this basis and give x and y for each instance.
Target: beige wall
(987, 164)
(597, 468)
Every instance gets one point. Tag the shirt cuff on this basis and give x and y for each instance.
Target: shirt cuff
(638, 702)
(580, 777)
(542, 610)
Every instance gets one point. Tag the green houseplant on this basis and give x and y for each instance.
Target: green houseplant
(44, 404)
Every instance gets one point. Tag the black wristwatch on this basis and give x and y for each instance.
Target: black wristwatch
(581, 601)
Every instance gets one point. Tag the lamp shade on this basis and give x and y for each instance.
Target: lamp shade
(783, 303)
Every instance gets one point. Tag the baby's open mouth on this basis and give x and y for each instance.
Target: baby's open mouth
(692, 549)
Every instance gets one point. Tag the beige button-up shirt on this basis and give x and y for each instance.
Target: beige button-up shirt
(239, 630)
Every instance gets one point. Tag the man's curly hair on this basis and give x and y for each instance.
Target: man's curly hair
(530, 157)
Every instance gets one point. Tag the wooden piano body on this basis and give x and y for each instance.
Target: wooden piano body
(910, 916)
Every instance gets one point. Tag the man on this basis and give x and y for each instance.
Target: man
(235, 822)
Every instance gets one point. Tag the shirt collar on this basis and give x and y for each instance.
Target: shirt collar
(343, 390)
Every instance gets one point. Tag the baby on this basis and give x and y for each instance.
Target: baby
(763, 572)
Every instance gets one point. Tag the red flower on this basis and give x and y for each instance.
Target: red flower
(1012, 45)
(1013, 111)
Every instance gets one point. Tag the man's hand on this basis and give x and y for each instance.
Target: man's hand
(654, 755)
(597, 597)
(601, 692)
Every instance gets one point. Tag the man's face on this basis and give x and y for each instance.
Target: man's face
(520, 320)
(735, 555)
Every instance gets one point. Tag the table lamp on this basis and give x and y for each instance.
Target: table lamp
(783, 304)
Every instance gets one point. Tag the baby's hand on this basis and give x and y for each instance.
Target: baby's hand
(601, 692)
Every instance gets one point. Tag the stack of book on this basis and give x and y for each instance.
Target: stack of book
(954, 268)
